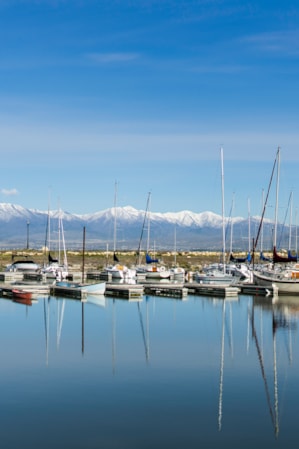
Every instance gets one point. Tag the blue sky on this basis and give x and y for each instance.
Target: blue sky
(145, 93)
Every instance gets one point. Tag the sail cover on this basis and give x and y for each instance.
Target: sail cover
(148, 259)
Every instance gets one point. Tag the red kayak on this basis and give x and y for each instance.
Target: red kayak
(21, 296)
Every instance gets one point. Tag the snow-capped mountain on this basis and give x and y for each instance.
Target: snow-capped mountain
(190, 230)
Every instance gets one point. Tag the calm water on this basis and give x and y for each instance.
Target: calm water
(160, 373)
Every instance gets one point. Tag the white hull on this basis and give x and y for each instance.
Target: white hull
(177, 273)
(56, 271)
(157, 274)
(91, 289)
(121, 272)
(23, 266)
(153, 272)
(94, 289)
(219, 279)
(284, 285)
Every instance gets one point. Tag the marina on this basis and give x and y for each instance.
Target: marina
(130, 290)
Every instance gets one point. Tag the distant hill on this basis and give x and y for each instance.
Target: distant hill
(189, 230)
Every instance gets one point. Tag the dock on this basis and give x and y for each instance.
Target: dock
(223, 291)
(127, 291)
(9, 276)
(68, 292)
(170, 290)
(257, 290)
(99, 276)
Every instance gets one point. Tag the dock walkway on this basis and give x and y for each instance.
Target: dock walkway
(212, 289)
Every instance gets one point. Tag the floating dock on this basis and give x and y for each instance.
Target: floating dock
(8, 276)
(212, 289)
(127, 291)
(170, 290)
(257, 290)
(68, 292)
(99, 276)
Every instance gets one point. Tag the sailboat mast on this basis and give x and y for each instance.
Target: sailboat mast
(291, 219)
(114, 231)
(142, 230)
(223, 219)
(59, 236)
(148, 222)
(262, 229)
(249, 230)
(232, 224)
(63, 243)
(276, 202)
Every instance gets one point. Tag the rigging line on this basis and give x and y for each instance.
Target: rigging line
(143, 225)
(284, 222)
(265, 203)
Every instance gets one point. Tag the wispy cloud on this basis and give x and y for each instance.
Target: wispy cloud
(9, 192)
(280, 42)
(108, 58)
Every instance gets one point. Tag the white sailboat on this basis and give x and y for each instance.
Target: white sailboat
(176, 272)
(217, 273)
(118, 271)
(280, 275)
(56, 269)
(152, 268)
(91, 289)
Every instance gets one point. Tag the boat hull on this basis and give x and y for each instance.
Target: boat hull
(22, 296)
(91, 289)
(285, 286)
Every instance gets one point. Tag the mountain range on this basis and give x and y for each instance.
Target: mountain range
(129, 228)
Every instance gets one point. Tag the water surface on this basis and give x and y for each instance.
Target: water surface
(157, 373)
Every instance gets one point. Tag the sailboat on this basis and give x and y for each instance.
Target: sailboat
(285, 278)
(176, 272)
(56, 269)
(98, 288)
(117, 270)
(217, 273)
(152, 268)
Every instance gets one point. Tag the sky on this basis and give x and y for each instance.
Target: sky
(143, 94)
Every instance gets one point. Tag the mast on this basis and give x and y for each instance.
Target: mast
(290, 225)
(175, 245)
(114, 231)
(63, 243)
(231, 225)
(249, 230)
(265, 204)
(276, 201)
(223, 218)
(296, 244)
(262, 229)
(148, 222)
(83, 255)
(142, 230)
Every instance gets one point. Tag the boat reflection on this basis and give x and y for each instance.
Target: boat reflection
(283, 312)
